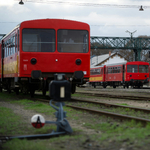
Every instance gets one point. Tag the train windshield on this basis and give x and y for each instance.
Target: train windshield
(38, 40)
(132, 68)
(143, 68)
(73, 41)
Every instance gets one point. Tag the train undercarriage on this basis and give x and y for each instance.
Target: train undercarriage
(133, 84)
(30, 85)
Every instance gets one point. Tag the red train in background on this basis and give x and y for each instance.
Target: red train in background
(35, 50)
(124, 74)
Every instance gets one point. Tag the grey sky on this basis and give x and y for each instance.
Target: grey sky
(104, 21)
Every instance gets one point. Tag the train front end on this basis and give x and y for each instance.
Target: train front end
(51, 46)
(137, 73)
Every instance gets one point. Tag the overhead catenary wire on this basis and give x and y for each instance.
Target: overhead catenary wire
(99, 25)
(85, 4)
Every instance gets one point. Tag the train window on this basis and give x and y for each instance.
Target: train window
(119, 69)
(13, 45)
(38, 40)
(16, 43)
(5, 49)
(113, 70)
(143, 68)
(73, 41)
(109, 70)
(95, 71)
(10, 46)
(18, 40)
(132, 68)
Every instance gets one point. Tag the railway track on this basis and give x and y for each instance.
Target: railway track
(112, 105)
(110, 114)
(139, 98)
(114, 115)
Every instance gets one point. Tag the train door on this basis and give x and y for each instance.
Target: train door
(104, 73)
(123, 71)
(1, 59)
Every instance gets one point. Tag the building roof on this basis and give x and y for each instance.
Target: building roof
(101, 59)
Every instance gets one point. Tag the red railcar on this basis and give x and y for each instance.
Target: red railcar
(125, 74)
(136, 73)
(97, 76)
(114, 75)
(37, 49)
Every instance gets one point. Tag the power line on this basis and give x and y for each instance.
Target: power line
(8, 22)
(86, 4)
(96, 25)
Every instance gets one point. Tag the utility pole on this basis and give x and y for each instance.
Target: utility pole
(131, 33)
(136, 51)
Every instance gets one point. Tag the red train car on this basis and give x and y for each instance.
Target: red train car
(37, 49)
(124, 74)
(97, 76)
(115, 75)
(136, 73)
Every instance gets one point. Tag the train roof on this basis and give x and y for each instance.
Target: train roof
(10, 32)
(97, 67)
(61, 22)
(116, 64)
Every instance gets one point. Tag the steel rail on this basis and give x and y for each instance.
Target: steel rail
(125, 117)
(115, 96)
(112, 105)
(102, 103)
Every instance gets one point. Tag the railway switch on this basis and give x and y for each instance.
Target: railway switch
(60, 91)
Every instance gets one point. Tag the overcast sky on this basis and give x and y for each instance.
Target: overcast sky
(107, 21)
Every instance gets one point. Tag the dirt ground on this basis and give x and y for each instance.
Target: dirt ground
(88, 143)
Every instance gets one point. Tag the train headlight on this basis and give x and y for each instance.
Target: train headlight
(78, 61)
(33, 61)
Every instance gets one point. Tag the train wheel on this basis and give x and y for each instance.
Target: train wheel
(104, 86)
(114, 86)
(44, 92)
(73, 88)
(32, 91)
(44, 88)
(8, 89)
(0, 89)
(17, 91)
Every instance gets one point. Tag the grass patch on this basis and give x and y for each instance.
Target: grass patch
(36, 106)
(124, 104)
(108, 128)
(9, 122)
